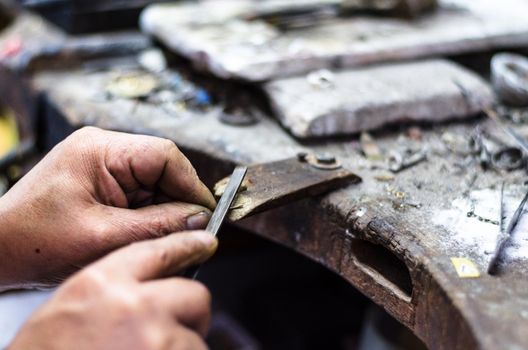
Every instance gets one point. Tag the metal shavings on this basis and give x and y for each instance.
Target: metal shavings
(471, 214)
(395, 192)
(220, 186)
(398, 162)
(456, 143)
(133, 85)
(369, 148)
(385, 177)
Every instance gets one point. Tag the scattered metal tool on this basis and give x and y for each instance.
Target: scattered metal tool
(222, 208)
(239, 116)
(508, 130)
(509, 76)
(398, 161)
(505, 235)
(508, 158)
(492, 153)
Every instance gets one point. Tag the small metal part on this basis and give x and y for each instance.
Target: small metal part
(323, 161)
(399, 162)
(325, 158)
(505, 236)
(220, 213)
(238, 117)
(508, 130)
(509, 158)
(509, 75)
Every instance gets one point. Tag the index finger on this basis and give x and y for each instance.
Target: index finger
(159, 258)
(140, 161)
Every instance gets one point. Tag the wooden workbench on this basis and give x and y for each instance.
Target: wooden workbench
(391, 236)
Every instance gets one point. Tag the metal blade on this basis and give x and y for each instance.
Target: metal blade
(226, 200)
(220, 213)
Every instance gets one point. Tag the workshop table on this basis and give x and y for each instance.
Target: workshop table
(392, 236)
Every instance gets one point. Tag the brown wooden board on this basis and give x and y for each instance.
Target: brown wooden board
(214, 35)
(325, 103)
(392, 236)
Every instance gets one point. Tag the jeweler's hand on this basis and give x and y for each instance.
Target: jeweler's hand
(119, 302)
(95, 192)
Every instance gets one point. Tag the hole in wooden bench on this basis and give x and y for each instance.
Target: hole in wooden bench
(384, 266)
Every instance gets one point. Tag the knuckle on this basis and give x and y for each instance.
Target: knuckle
(153, 254)
(163, 258)
(93, 276)
(90, 280)
(80, 142)
(169, 145)
(101, 231)
(128, 302)
(82, 134)
(160, 224)
(202, 294)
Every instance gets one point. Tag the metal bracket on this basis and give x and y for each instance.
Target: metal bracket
(270, 185)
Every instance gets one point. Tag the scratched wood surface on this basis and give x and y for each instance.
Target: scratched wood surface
(392, 236)
(367, 98)
(214, 36)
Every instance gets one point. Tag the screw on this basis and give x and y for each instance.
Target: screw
(325, 158)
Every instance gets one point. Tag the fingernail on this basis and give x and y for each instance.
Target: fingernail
(198, 221)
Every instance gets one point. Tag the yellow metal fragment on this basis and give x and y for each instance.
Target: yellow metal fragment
(465, 268)
(133, 85)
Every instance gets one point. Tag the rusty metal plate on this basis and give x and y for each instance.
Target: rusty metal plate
(270, 185)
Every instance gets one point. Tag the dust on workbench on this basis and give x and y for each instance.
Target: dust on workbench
(452, 189)
(447, 190)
